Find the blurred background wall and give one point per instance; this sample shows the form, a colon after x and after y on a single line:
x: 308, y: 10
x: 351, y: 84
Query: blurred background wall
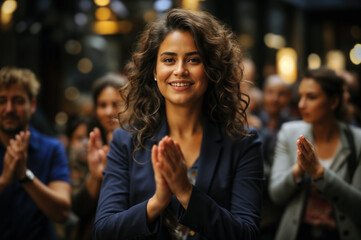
x: 70, y: 43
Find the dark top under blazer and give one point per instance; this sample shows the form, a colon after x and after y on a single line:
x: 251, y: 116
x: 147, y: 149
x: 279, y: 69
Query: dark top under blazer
x: 224, y: 204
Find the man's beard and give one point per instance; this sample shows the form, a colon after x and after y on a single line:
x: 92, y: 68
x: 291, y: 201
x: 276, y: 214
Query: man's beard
x: 13, y: 130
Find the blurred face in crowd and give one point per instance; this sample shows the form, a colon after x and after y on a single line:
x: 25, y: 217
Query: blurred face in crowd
x: 78, y: 142
x: 15, y: 109
x: 276, y: 96
x: 179, y: 71
x: 314, y: 105
x: 107, y: 108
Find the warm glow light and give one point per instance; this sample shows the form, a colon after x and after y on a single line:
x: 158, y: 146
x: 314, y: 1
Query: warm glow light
x: 314, y: 61
x: 287, y: 64
x: 102, y: 3
x: 61, y: 118
x: 85, y: 65
x: 71, y: 93
x: 356, y: 32
x: 335, y: 60
x: 5, y: 18
x: 103, y: 13
x: 274, y: 41
x: 150, y: 16
x: 246, y: 41
x: 9, y: 7
x: 73, y: 47
x: 190, y: 4
x: 112, y: 27
x: 355, y: 54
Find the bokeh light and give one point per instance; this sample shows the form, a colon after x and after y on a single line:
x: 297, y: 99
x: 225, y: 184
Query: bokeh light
x: 103, y: 13
x: 9, y: 7
x: 274, y: 41
x: 85, y: 65
x: 73, y: 47
x: 71, y: 93
x: 355, y: 54
x: 335, y: 60
x: 61, y: 118
x: 101, y: 3
x: 314, y: 61
x: 287, y: 64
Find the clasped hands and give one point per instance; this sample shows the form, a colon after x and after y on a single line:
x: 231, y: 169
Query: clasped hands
x: 170, y: 173
x: 307, y: 160
x: 16, y: 157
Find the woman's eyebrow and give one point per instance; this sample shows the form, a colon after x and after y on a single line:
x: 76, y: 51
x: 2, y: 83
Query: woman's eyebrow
x: 174, y: 54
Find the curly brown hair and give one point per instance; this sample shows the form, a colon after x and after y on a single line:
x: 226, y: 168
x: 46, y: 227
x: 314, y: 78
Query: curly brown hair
x: 223, y: 102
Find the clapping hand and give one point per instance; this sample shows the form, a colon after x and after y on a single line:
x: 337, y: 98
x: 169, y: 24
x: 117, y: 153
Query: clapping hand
x: 172, y: 167
x: 97, y: 152
x: 170, y: 174
x: 307, y: 158
x: 15, y: 158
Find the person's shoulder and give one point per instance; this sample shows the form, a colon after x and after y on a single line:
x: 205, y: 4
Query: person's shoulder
x: 356, y: 130
x: 39, y: 139
x: 121, y: 132
x: 123, y: 136
x: 250, y: 135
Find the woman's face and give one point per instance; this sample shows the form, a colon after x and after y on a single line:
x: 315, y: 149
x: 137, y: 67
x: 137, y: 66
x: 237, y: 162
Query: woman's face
x: 78, y: 142
x: 108, y: 107
x: 314, y: 105
x: 179, y: 71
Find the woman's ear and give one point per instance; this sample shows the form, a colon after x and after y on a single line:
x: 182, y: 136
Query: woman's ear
x: 155, y: 75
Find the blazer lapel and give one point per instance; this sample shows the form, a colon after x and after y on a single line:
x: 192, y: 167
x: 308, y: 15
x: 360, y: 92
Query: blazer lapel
x: 345, y: 151
x: 209, y: 156
x: 162, y: 132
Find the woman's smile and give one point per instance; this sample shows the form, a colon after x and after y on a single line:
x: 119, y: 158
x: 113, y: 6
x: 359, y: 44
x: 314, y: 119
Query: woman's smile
x: 180, y: 73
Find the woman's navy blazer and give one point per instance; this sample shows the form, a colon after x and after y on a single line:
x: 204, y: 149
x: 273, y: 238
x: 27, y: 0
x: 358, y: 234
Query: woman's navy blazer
x: 225, y: 202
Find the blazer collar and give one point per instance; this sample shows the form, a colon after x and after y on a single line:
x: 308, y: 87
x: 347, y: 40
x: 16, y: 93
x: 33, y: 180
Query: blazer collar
x: 163, y: 131
x: 341, y: 155
x: 345, y: 150
x: 209, y: 156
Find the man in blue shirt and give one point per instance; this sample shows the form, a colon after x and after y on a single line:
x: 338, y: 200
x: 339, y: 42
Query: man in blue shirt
x: 34, y: 174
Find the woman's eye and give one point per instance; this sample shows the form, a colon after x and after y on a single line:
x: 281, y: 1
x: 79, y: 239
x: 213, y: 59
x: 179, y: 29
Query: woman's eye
x: 168, y: 60
x: 194, y: 60
x: 312, y: 97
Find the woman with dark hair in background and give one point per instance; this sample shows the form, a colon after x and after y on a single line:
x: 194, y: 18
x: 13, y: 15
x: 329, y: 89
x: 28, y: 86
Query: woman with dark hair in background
x: 184, y: 165
x: 316, y: 170
x: 107, y: 104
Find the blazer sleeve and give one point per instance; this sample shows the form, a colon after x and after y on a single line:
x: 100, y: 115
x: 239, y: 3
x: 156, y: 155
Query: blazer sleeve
x: 345, y: 196
x: 115, y: 218
x: 282, y: 185
x: 241, y: 220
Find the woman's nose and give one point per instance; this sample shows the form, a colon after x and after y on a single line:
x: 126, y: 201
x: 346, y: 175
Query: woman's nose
x: 180, y: 68
x: 301, y: 103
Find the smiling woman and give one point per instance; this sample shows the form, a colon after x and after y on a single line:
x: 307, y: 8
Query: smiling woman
x: 186, y: 130
x: 180, y: 72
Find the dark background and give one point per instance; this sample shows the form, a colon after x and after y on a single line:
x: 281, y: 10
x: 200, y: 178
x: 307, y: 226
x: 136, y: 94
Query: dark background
x: 39, y: 31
